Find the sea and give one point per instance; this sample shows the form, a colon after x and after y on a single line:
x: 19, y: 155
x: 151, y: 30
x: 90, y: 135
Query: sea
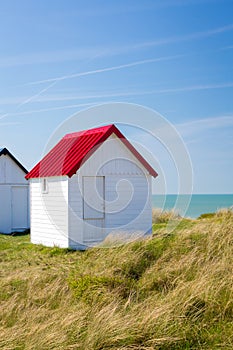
x: 193, y: 205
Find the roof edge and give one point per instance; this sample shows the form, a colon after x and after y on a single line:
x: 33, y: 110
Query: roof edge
x: 4, y: 151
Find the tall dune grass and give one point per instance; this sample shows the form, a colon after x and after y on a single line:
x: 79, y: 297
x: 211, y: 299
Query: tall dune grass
x: 165, y: 292
x: 163, y: 216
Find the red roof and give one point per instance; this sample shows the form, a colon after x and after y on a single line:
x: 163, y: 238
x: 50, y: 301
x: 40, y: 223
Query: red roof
x: 74, y: 149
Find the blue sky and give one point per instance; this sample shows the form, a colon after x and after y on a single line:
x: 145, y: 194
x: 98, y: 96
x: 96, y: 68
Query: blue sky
x: 173, y: 56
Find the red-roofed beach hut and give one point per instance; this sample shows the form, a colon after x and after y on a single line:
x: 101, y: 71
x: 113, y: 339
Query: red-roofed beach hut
x: 92, y: 184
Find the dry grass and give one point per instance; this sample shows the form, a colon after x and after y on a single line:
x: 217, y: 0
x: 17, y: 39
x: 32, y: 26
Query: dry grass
x: 167, y: 292
x: 163, y: 216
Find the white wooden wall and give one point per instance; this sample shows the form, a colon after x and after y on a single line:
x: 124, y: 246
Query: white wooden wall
x: 127, y: 195
x: 49, y: 212
x: 14, y: 197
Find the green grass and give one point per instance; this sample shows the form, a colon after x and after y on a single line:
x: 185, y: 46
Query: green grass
x: 170, y: 291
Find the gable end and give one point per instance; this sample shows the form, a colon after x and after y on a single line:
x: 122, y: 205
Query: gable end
x: 4, y: 151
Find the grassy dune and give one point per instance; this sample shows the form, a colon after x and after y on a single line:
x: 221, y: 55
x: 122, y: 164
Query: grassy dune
x: 171, y: 291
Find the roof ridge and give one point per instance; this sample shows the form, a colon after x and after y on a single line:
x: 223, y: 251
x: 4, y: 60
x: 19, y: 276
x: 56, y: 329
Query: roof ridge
x: 89, y: 131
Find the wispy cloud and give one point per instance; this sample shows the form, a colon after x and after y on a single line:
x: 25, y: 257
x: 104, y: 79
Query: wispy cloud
x: 11, y: 100
x: 52, y: 56
x: 80, y: 105
x: 132, y: 6
x: 29, y: 99
x: 107, y: 69
x: 229, y: 47
x: 33, y: 97
x: 68, y: 97
x: 9, y: 123
x: 192, y: 36
x: 89, y: 52
x: 195, y: 87
x: 54, y: 81
x: 135, y: 93
x: 37, y: 98
x: 201, y: 125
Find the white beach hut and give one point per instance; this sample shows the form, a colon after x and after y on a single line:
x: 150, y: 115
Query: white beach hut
x: 91, y: 184
x: 14, y: 190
